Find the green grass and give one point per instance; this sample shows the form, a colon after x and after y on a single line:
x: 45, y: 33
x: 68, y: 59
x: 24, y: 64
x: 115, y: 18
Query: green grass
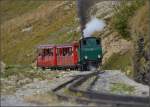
x: 13, y: 8
x: 22, y: 70
x: 122, y: 88
x: 67, y: 91
x: 29, y: 71
x: 117, y: 61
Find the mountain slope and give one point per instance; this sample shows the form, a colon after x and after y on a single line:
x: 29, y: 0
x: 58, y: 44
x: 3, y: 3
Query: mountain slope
x: 13, y: 8
x: 48, y: 23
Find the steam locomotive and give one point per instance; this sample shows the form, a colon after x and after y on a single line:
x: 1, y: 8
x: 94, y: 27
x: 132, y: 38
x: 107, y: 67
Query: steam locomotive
x: 83, y: 55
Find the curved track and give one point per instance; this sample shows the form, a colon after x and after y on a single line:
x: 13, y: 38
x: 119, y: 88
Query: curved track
x: 101, y: 99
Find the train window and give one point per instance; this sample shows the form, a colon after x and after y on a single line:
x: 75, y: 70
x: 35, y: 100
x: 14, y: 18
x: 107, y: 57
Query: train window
x: 67, y: 51
x: 97, y: 42
x: 64, y: 51
x: 70, y: 52
x: 48, y: 52
x: 84, y: 42
x: 51, y: 52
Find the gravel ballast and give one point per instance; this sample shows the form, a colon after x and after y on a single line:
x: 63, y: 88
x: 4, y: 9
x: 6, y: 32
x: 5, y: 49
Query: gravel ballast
x: 116, y: 82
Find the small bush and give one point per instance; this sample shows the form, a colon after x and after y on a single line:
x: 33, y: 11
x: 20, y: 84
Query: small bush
x: 122, y: 88
x: 122, y: 62
x: 122, y: 15
x: 22, y: 70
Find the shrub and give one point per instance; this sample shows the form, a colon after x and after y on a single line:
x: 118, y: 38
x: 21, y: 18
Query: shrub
x: 122, y: 15
x: 118, y: 61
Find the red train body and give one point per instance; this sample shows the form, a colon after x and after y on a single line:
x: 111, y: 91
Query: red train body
x: 55, y: 56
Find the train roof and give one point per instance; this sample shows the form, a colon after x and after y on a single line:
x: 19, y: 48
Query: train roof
x: 57, y: 46
x: 46, y: 46
x: 64, y: 46
x: 88, y: 38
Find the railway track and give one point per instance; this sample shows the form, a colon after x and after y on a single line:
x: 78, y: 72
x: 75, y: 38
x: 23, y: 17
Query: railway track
x: 71, y: 91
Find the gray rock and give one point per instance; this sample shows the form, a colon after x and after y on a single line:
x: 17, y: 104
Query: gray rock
x: 7, y: 82
x: 24, y: 81
x: 13, y: 78
x: 27, y: 29
x: 111, y: 77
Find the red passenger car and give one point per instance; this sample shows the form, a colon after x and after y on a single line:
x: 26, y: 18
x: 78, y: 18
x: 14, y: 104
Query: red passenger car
x: 58, y: 56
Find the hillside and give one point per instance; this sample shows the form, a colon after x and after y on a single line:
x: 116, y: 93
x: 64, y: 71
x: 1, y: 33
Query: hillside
x: 39, y: 24
x: 35, y: 25
x: 11, y: 9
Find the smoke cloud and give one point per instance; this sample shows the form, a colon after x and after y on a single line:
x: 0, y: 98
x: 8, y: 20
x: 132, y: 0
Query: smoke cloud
x: 83, y: 7
x: 92, y: 26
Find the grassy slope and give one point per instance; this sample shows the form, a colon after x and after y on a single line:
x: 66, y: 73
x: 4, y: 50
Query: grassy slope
x: 13, y: 8
x: 20, y: 47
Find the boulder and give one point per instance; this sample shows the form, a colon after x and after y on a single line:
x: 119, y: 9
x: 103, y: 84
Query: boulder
x: 13, y: 78
x: 24, y: 81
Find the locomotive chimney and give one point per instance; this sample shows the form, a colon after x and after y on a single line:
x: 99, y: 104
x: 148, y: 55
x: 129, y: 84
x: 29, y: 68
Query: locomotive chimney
x: 82, y: 8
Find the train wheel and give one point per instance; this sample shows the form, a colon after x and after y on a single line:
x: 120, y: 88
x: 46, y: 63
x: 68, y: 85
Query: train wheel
x: 85, y: 68
x: 81, y: 68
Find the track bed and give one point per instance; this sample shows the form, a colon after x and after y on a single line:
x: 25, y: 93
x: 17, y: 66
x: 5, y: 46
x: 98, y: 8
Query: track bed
x: 80, y: 89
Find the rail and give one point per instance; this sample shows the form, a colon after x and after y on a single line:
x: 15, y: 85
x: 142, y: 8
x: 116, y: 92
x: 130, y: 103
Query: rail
x: 89, y: 96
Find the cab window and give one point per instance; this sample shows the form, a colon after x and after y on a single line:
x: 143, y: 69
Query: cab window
x: 84, y: 42
x: 97, y: 42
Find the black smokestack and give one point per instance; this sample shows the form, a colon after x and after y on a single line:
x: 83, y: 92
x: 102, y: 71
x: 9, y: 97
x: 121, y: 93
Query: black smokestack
x: 83, y: 10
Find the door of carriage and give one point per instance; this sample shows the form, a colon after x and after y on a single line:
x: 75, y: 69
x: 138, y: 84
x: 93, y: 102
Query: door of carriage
x: 64, y: 55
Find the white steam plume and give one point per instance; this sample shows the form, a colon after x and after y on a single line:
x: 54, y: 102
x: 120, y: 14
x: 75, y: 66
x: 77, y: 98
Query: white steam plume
x: 93, y: 26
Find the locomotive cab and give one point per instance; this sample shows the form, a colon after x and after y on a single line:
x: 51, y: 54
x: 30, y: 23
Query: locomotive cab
x: 90, y: 52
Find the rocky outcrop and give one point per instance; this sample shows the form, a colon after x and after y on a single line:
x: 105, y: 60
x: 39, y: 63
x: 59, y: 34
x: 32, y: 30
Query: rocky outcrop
x: 104, y: 9
x: 114, y: 44
x: 139, y: 29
